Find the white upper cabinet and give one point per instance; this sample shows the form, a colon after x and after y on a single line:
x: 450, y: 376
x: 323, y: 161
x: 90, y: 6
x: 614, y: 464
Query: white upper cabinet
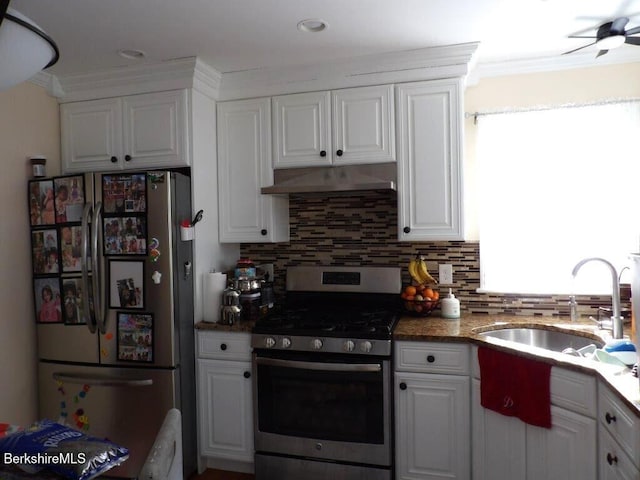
x: 429, y: 135
x: 342, y: 127
x: 244, y: 166
x: 135, y: 132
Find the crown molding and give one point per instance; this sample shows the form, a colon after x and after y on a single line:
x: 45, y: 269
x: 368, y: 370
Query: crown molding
x: 548, y: 64
x: 144, y: 78
x: 409, y: 65
x: 49, y: 82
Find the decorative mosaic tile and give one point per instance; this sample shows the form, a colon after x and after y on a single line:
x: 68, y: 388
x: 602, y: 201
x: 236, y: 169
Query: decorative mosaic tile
x: 338, y: 229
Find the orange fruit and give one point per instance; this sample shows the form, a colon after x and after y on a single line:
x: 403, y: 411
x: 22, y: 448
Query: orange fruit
x: 436, y: 295
x: 410, y: 290
x: 428, y: 292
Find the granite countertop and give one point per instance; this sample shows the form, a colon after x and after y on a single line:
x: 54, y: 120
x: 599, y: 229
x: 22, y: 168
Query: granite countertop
x: 468, y: 327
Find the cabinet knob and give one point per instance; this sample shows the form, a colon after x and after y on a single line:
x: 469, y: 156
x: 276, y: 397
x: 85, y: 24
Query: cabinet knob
x: 223, y: 346
x: 127, y: 158
x: 610, y: 418
x: 403, y: 386
x: 323, y: 153
x: 114, y: 159
x: 406, y: 229
x: 431, y: 359
x: 247, y: 374
x: 263, y: 231
x: 611, y: 459
x: 339, y: 153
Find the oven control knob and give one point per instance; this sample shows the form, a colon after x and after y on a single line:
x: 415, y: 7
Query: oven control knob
x: 349, y: 346
x: 286, y: 342
x: 366, y: 346
x: 316, y: 344
x: 269, y: 342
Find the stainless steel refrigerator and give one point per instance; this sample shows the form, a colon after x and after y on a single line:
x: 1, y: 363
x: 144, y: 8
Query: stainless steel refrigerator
x: 116, y: 346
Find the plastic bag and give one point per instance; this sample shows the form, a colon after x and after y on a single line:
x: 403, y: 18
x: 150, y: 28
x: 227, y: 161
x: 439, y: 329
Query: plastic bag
x: 61, y: 449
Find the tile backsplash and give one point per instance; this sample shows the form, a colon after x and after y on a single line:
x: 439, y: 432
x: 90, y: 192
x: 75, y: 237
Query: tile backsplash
x: 338, y: 229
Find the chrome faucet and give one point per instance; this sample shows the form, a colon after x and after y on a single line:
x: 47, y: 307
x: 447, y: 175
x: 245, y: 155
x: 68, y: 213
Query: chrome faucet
x: 616, y: 318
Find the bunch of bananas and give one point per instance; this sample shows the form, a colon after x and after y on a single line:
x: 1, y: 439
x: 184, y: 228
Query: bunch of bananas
x: 418, y: 271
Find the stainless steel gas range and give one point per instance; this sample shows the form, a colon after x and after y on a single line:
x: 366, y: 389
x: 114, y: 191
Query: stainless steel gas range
x: 322, y: 376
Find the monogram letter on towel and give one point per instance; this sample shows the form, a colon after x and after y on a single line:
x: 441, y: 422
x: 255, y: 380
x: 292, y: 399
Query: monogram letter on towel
x: 515, y: 386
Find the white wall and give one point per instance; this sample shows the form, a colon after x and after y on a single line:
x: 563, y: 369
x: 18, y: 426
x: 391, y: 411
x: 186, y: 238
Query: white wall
x: 540, y: 89
x: 28, y: 125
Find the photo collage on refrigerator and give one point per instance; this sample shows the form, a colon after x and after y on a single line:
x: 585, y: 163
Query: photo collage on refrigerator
x: 124, y: 229
x: 55, y: 211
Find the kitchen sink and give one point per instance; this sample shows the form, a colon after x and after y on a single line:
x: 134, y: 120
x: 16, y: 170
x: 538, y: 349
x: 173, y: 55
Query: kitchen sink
x: 553, y: 340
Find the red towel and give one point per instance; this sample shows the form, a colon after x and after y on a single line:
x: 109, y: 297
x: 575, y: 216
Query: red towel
x: 515, y: 386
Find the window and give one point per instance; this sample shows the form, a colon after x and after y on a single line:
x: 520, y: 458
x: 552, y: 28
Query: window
x: 556, y: 186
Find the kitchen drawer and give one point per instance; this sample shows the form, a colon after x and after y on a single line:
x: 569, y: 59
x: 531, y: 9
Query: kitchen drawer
x: 618, y: 420
x: 571, y: 390
x: 432, y: 357
x: 224, y: 345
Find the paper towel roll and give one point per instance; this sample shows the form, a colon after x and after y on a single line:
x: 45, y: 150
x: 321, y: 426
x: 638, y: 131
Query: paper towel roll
x: 214, y: 285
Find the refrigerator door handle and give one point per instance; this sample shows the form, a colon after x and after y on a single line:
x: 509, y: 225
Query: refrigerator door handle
x: 98, y: 281
x: 101, y: 380
x: 84, y: 267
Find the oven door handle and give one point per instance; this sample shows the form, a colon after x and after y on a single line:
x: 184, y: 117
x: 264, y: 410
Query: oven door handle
x: 329, y: 367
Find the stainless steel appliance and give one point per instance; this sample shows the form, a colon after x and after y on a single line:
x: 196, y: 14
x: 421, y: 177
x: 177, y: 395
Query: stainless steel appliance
x: 322, y: 376
x: 116, y: 369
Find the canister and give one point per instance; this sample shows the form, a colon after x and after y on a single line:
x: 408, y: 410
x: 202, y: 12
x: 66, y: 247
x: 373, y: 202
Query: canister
x: 245, y: 268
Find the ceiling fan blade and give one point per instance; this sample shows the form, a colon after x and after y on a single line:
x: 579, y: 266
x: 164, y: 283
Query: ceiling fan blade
x: 581, y: 36
x: 579, y: 48
x: 632, y: 40
x: 632, y: 31
x: 601, y: 52
x: 4, y: 5
x: 617, y: 26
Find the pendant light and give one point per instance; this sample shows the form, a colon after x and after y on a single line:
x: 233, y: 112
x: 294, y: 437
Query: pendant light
x: 25, y: 48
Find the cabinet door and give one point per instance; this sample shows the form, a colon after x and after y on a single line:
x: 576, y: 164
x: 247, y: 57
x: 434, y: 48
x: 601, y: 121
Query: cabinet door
x: 429, y: 139
x: 614, y: 462
x: 363, y: 125
x: 567, y: 450
x: 155, y: 130
x: 91, y: 135
x: 432, y: 426
x: 499, y: 442
x: 302, y: 130
x: 225, y: 410
x: 244, y: 166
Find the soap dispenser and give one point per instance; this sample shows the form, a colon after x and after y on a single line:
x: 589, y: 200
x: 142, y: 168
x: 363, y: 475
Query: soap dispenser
x: 450, y: 306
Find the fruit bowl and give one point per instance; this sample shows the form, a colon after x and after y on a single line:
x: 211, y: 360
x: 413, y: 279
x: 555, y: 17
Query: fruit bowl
x: 420, y: 308
x: 419, y: 300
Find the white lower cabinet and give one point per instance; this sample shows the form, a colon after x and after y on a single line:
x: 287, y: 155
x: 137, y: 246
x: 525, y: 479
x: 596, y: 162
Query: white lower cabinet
x: 225, y: 405
x: 432, y: 411
x: 499, y: 448
x: 505, y: 448
x: 618, y: 438
x: 615, y: 464
x: 567, y: 450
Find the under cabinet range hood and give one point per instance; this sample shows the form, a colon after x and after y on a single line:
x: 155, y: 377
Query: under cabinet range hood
x: 344, y: 178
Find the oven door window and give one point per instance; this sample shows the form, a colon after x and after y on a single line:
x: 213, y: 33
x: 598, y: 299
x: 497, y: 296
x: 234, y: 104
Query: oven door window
x: 342, y: 403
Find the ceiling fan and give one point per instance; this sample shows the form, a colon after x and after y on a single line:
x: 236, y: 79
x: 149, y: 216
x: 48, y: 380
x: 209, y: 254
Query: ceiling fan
x: 610, y: 35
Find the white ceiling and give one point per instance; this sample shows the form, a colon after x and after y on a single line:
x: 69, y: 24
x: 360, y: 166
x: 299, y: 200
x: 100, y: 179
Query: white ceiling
x: 233, y: 35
